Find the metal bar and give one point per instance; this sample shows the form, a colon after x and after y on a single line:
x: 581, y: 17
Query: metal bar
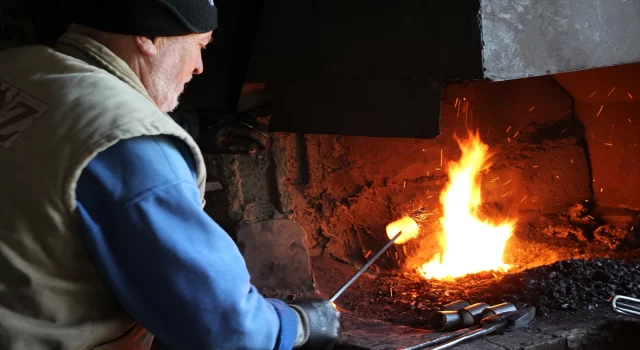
x: 443, y: 338
x: 628, y: 307
x: 471, y: 335
x: 619, y: 306
x: 365, y: 267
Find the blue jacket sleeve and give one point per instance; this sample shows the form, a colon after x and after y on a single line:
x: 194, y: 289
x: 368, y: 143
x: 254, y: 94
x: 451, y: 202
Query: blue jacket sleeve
x: 169, y: 264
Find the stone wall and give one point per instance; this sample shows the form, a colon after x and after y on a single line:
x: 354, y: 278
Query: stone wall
x: 607, y: 102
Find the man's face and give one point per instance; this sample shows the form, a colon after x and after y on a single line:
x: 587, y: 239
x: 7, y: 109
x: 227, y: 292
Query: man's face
x: 172, y: 67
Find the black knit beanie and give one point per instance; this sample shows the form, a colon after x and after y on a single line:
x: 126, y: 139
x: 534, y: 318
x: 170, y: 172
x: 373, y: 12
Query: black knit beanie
x: 146, y: 17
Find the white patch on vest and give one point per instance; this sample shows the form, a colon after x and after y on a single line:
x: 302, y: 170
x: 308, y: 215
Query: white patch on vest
x: 211, y: 2
x: 17, y: 112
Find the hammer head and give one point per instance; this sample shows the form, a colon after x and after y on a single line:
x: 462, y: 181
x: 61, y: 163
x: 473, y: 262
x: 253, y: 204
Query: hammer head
x: 512, y: 319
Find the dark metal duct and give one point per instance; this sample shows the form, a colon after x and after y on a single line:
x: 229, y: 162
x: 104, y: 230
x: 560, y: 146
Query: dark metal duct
x: 374, y: 68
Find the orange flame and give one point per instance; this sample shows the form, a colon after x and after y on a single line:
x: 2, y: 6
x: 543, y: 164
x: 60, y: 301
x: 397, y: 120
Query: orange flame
x: 470, y: 244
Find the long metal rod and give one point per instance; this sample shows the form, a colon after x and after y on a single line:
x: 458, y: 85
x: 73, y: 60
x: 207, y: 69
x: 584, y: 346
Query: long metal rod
x: 470, y: 336
x: 365, y: 267
x: 443, y: 338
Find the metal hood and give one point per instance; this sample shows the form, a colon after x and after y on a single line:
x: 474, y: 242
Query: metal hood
x: 375, y: 68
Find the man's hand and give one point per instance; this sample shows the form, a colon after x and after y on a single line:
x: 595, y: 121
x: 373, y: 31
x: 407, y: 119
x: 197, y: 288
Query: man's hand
x: 318, y: 324
x: 233, y: 133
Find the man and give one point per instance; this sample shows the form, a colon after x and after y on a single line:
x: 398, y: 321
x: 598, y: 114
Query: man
x: 103, y: 240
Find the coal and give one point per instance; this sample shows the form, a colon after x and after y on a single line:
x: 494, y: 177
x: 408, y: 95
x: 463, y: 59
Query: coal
x: 564, y: 286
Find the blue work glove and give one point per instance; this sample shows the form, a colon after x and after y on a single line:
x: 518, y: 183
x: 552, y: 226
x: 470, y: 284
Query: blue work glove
x: 318, y: 324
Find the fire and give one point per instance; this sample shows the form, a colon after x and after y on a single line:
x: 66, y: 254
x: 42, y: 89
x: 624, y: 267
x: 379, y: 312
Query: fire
x: 470, y: 244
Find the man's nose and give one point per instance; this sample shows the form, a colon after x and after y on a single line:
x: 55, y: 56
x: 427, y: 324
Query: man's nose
x: 199, y: 67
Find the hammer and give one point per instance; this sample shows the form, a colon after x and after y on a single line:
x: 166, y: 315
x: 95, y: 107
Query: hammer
x: 506, y: 322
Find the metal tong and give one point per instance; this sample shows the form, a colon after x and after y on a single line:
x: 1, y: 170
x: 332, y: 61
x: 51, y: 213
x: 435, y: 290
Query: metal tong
x: 627, y: 306
x: 507, y: 321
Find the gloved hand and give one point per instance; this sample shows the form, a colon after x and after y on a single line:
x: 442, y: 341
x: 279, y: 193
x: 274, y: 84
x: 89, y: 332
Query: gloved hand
x: 235, y: 133
x: 318, y: 324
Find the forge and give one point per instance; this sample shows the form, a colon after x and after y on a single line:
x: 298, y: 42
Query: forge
x: 556, y: 171
x: 526, y: 113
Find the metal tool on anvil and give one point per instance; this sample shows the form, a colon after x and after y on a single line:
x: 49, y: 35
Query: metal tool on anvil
x: 406, y: 228
x: 507, y: 321
x: 627, y: 306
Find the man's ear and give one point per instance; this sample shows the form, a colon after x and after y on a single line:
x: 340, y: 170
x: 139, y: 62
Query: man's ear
x: 148, y: 46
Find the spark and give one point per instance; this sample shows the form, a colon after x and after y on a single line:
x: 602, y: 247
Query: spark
x: 563, y: 114
x: 600, y: 111
x: 593, y: 137
x: 535, y: 166
x: 590, y: 96
x: 601, y: 189
x: 523, y: 198
x: 608, y: 144
x: 516, y: 134
x: 396, y: 255
x: 630, y: 96
x: 405, y: 183
x: 506, y: 183
x: 532, y: 108
x: 440, y: 157
x: 509, y: 128
x: 495, y: 179
x: 571, y: 160
x: 508, y: 139
x: 390, y: 291
x: 557, y: 176
x: 612, y: 90
x: 430, y: 196
x: 367, y: 255
x: 565, y: 129
x: 457, y: 100
x: 629, y: 120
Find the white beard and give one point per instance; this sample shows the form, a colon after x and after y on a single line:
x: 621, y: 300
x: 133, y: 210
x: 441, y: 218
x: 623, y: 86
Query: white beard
x: 164, y: 87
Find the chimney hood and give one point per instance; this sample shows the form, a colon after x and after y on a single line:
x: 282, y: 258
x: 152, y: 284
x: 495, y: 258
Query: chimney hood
x: 375, y: 68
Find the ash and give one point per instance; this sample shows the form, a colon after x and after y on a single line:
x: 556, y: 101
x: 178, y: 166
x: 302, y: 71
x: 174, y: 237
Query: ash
x: 575, y: 285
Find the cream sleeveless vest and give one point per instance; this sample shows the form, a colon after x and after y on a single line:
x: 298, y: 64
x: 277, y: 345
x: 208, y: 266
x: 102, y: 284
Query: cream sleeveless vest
x: 58, y: 109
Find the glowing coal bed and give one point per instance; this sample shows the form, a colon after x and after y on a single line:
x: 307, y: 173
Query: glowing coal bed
x: 571, y: 295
